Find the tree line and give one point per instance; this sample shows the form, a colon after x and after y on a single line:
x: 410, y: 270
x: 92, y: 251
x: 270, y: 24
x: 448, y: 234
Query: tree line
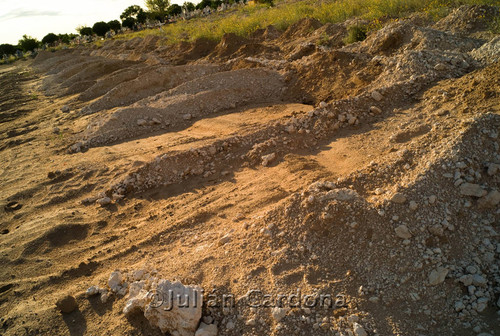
x: 131, y: 17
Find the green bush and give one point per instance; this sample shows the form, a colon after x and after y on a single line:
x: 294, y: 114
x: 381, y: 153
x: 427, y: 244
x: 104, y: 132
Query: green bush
x: 50, y: 38
x: 115, y: 25
x: 85, y: 31
x: 100, y: 28
x: 355, y: 34
x: 28, y: 43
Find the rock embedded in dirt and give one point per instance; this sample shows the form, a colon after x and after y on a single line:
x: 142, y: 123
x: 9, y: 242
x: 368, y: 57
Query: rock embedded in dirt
x: 104, y: 201
x: 377, y: 96
x: 66, y: 304
x: 267, y: 159
x: 491, y: 200
x: 402, y: 232
x: 398, y: 198
x: 470, y: 189
x: 141, y: 122
x: 206, y: 330
x: 375, y: 110
x: 358, y: 329
x: 65, y: 109
x: 438, y: 276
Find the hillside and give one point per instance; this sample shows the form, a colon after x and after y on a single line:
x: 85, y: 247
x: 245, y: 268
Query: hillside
x: 279, y: 162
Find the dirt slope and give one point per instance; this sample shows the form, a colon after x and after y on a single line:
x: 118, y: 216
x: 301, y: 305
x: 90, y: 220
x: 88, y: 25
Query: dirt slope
x: 279, y: 162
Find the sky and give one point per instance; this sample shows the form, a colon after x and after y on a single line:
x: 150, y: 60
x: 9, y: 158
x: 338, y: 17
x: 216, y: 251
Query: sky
x: 38, y: 18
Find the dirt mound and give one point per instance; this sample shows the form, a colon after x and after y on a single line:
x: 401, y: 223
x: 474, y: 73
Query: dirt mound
x: 269, y: 33
x: 303, y: 28
x: 191, y: 100
x: 468, y: 19
x: 228, y: 45
x: 146, y: 84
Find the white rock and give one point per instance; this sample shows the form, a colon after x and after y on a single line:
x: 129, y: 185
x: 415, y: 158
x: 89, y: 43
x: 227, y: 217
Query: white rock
x: 266, y: 159
x: 470, y: 189
x: 340, y: 194
x: 91, y: 291
x: 323, y: 104
x: 359, y: 330
x: 206, y: 330
x: 115, y: 280
x: 438, y: 276
x: 138, y: 274
x: 278, y: 313
x: 104, y: 201
x: 398, y: 198
x: 402, y: 232
x: 170, y: 316
x: 377, y: 95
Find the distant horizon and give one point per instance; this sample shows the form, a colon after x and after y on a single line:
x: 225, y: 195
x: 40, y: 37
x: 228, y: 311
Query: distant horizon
x: 37, y: 19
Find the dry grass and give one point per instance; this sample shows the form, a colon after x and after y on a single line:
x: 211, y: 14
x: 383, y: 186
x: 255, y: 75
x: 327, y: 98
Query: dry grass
x: 244, y: 21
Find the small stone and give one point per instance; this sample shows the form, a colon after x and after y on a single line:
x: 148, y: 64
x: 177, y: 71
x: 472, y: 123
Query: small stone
x: 398, y: 198
x: 66, y: 304
x: 359, y: 330
x: 206, y: 330
x: 377, y: 95
x: 413, y: 205
x: 493, y: 169
x: 432, y: 199
x: 141, y: 122
x: 438, y: 276
x: 65, y: 109
x: 115, y: 280
x: 403, y: 232
x: 489, y: 201
x: 56, y: 130
x: 251, y: 322
x: 278, y: 313
x: 440, y: 67
x: 375, y: 110
x: 155, y: 121
x: 323, y: 104
x: 224, y: 240
x: 479, y: 280
x: 230, y: 325
x: 187, y: 116
x: 91, y: 291
x: 470, y: 189
x: 266, y: 159
x: 104, y: 201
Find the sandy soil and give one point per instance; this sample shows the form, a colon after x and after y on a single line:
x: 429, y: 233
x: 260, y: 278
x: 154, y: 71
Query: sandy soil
x: 276, y: 163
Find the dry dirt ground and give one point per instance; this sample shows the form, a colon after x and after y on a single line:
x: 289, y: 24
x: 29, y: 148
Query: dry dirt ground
x: 282, y: 162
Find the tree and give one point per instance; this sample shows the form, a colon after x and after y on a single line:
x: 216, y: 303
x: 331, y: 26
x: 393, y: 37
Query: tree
x: 85, y: 31
x: 128, y: 22
x: 158, y: 7
x: 66, y: 38
x: 188, y: 7
x: 50, y: 38
x: 115, y: 25
x: 7, y: 49
x: 100, y: 28
x: 175, y: 9
x: 203, y: 4
x: 135, y: 12
x: 28, y: 43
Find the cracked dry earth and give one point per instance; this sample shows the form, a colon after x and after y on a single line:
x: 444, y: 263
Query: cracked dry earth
x: 274, y: 163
